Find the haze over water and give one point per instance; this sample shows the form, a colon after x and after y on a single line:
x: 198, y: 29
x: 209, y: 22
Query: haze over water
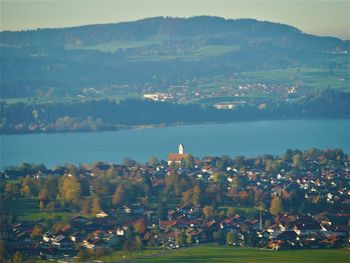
x: 233, y: 139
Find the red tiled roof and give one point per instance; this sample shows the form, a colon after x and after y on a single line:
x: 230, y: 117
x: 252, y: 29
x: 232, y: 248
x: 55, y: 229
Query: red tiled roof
x: 176, y: 157
x: 167, y: 223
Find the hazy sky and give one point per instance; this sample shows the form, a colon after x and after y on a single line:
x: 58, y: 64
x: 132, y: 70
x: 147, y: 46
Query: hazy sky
x: 320, y: 17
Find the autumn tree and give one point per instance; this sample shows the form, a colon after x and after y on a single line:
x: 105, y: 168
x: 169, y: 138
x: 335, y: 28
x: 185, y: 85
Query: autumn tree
x: 37, y: 231
x: 297, y: 160
x: 12, y: 191
x: 180, y: 238
x: 70, y: 189
x: 51, y: 184
x: 187, y: 196
x: 140, y: 226
x: 197, y: 196
x: 117, y: 198
x: 208, y: 211
x: 85, y: 206
x: 230, y: 211
x: 276, y: 206
x: 219, y: 178
x: 41, y: 205
x: 29, y: 186
x: 229, y: 238
x: 82, y: 256
x: 3, y: 251
x: 44, y: 196
x: 189, y: 240
x: 18, y: 257
x: 96, y: 205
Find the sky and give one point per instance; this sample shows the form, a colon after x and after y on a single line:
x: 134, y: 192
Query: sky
x: 319, y: 17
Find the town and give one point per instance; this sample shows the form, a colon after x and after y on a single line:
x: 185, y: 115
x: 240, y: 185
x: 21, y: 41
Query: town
x: 295, y: 201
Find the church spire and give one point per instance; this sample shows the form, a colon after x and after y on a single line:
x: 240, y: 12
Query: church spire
x: 181, y: 149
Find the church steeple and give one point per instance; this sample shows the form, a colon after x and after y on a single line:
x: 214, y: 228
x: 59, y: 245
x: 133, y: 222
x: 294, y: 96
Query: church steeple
x: 181, y: 149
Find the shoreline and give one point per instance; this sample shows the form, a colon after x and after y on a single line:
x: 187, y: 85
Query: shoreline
x: 163, y: 125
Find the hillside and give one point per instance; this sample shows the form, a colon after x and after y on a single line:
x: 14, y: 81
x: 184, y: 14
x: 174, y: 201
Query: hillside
x: 155, y: 53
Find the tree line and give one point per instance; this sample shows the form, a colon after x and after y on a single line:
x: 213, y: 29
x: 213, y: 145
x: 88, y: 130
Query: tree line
x: 107, y: 114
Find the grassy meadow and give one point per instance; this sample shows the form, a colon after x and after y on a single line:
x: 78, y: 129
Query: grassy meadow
x: 218, y: 254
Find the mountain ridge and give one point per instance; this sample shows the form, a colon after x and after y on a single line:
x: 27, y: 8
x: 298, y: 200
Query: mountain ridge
x: 153, y: 54
x: 170, y: 26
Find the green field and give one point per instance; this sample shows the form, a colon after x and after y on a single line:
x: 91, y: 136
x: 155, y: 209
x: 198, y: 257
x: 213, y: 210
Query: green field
x: 48, y: 100
x: 302, y: 76
x: 245, y: 255
x: 28, y: 210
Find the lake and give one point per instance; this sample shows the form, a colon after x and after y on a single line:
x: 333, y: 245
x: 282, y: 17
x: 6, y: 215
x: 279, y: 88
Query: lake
x: 238, y: 138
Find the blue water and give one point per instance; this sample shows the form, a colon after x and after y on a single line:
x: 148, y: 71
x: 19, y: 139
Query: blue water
x: 239, y: 138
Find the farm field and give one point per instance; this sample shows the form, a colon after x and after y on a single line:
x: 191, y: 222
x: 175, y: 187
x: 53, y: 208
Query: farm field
x: 245, y: 255
x: 28, y: 210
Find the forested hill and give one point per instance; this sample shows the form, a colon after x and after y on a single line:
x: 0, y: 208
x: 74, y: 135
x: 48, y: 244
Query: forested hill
x: 214, y: 30
x: 155, y: 52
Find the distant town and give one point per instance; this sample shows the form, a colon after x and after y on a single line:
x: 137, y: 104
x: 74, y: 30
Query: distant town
x: 93, y: 211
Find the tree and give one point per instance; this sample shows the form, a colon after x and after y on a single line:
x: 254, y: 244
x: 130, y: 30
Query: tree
x: 3, y: 251
x: 190, y: 162
x: 25, y: 168
x: 140, y: 226
x: 232, y: 238
x: 29, y: 187
x: 41, y: 205
x: 44, y: 195
x: 117, y: 198
x: 99, y: 252
x: 220, y: 236
x: 229, y: 238
x: 187, y: 196
x: 129, y: 162
x: 208, y: 211
x: 18, y: 257
x: 138, y: 244
x: 82, y: 256
x: 252, y: 239
x: 297, y: 159
x: 197, y: 195
x: 189, y: 240
x: 85, y: 206
x: 96, y: 205
x: 231, y: 211
x: 57, y: 227
x: 51, y: 185
x: 219, y: 178
x: 180, y: 238
x: 37, y: 231
x: 12, y: 191
x: 220, y: 164
x: 153, y: 161
x: 276, y: 206
x: 268, y: 165
x: 128, y: 247
x: 70, y: 189
x: 162, y: 211
x: 147, y: 185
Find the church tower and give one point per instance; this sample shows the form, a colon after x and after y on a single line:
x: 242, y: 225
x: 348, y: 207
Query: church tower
x: 181, y: 149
